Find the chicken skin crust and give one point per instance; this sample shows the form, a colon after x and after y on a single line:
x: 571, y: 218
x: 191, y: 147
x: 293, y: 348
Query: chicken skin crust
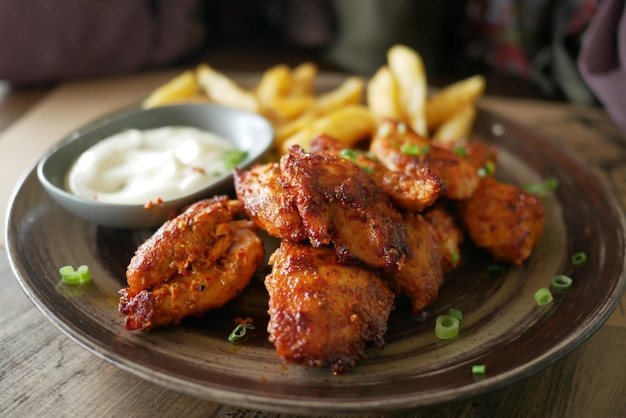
x: 422, y: 275
x: 339, y: 203
x: 410, y: 192
x: 448, y: 233
x: 322, y: 312
x: 200, y: 235
x: 265, y: 202
x: 207, y: 281
x: 503, y: 219
x: 399, y: 148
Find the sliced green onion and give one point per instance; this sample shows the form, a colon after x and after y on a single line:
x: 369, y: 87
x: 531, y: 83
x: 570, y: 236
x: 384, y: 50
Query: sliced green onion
x: 456, y: 313
x: 234, y: 157
x: 410, y: 150
x: 78, y: 276
x: 460, y: 151
x: 368, y: 169
x: 579, y: 258
x: 543, y: 296
x: 446, y: 327
x: 348, y: 153
x: 536, y: 189
x: 239, y: 332
x: 479, y: 369
x: 551, y: 183
x: 561, y: 282
x: 455, y: 258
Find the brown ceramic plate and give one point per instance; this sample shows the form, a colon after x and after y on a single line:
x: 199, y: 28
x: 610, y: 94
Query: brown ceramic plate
x: 503, y: 328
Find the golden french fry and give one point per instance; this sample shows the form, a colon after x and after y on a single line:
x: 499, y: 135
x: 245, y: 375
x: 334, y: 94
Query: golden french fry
x: 222, y: 90
x: 303, y: 79
x: 458, y: 126
x: 290, y: 107
x: 349, y: 92
x: 181, y: 88
x: 447, y: 101
x: 349, y: 124
x: 276, y: 82
x: 382, y: 95
x: 408, y: 69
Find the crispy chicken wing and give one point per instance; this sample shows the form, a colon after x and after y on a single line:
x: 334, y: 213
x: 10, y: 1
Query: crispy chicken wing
x: 410, y: 192
x: 266, y: 203
x: 479, y: 154
x: 340, y: 204
x: 190, y: 267
x: 448, y: 233
x: 322, y: 312
x: 399, y: 148
x: 503, y: 219
x: 422, y: 274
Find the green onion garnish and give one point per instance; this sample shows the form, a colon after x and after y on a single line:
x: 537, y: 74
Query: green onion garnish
x: 446, y: 327
x: 479, y: 369
x: 579, y: 258
x: 233, y: 157
x: 455, y: 258
x: 456, y: 313
x: 69, y: 276
x: 543, y: 296
x: 551, y: 183
x: 460, y: 151
x: 239, y: 332
x: 561, y: 282
x: 542, y: 189
x: 348, y: 154
x: 414, y: 150
x: 368, y: 169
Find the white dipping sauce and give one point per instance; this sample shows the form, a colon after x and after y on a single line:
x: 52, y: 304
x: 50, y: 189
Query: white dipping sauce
x: 139, y: 167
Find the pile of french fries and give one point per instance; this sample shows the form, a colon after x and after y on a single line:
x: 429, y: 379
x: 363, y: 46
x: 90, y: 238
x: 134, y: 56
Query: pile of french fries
x: 350, y: 113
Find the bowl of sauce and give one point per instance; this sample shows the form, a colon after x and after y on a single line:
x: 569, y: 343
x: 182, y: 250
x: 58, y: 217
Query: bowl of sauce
x: 135, y: 168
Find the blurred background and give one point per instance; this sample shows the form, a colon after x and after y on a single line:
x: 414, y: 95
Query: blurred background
x: 526, y: 48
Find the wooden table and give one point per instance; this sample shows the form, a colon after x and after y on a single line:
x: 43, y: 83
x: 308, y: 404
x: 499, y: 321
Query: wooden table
x: 44, y: 373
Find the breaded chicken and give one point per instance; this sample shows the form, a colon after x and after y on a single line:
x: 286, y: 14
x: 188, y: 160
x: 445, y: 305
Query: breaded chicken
x: 480, y: 154
x: 340, y: 204
x: 188, y: 274
x: 201, y: 234
x: 322, y: 312
x: 266, y: 203
x: 448, y: 233
x: 422, y: 275
x: 503, y: 219
x: 399, y: 148
x: 411, y: 192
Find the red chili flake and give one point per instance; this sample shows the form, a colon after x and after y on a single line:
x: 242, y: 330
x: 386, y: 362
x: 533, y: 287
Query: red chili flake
x: 148, y: 205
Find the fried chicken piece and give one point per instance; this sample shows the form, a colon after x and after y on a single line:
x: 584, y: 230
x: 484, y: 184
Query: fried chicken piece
x: 322, y: 312
x: 503, y: 219
x: 448, y: 233
x: 410, y: 192
x: 422, y: 275
x: 481, y: 155
x: 200, y: 235
x: 203, y: 278
x: 399, y: 148
x: 339, y: 203
x: 265, y: 202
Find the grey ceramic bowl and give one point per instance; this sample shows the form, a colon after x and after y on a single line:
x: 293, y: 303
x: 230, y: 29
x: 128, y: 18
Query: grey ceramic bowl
x: 248, y: 131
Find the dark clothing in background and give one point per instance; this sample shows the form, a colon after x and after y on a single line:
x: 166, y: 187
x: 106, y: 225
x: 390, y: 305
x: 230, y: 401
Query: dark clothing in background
x: 50, y: 40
